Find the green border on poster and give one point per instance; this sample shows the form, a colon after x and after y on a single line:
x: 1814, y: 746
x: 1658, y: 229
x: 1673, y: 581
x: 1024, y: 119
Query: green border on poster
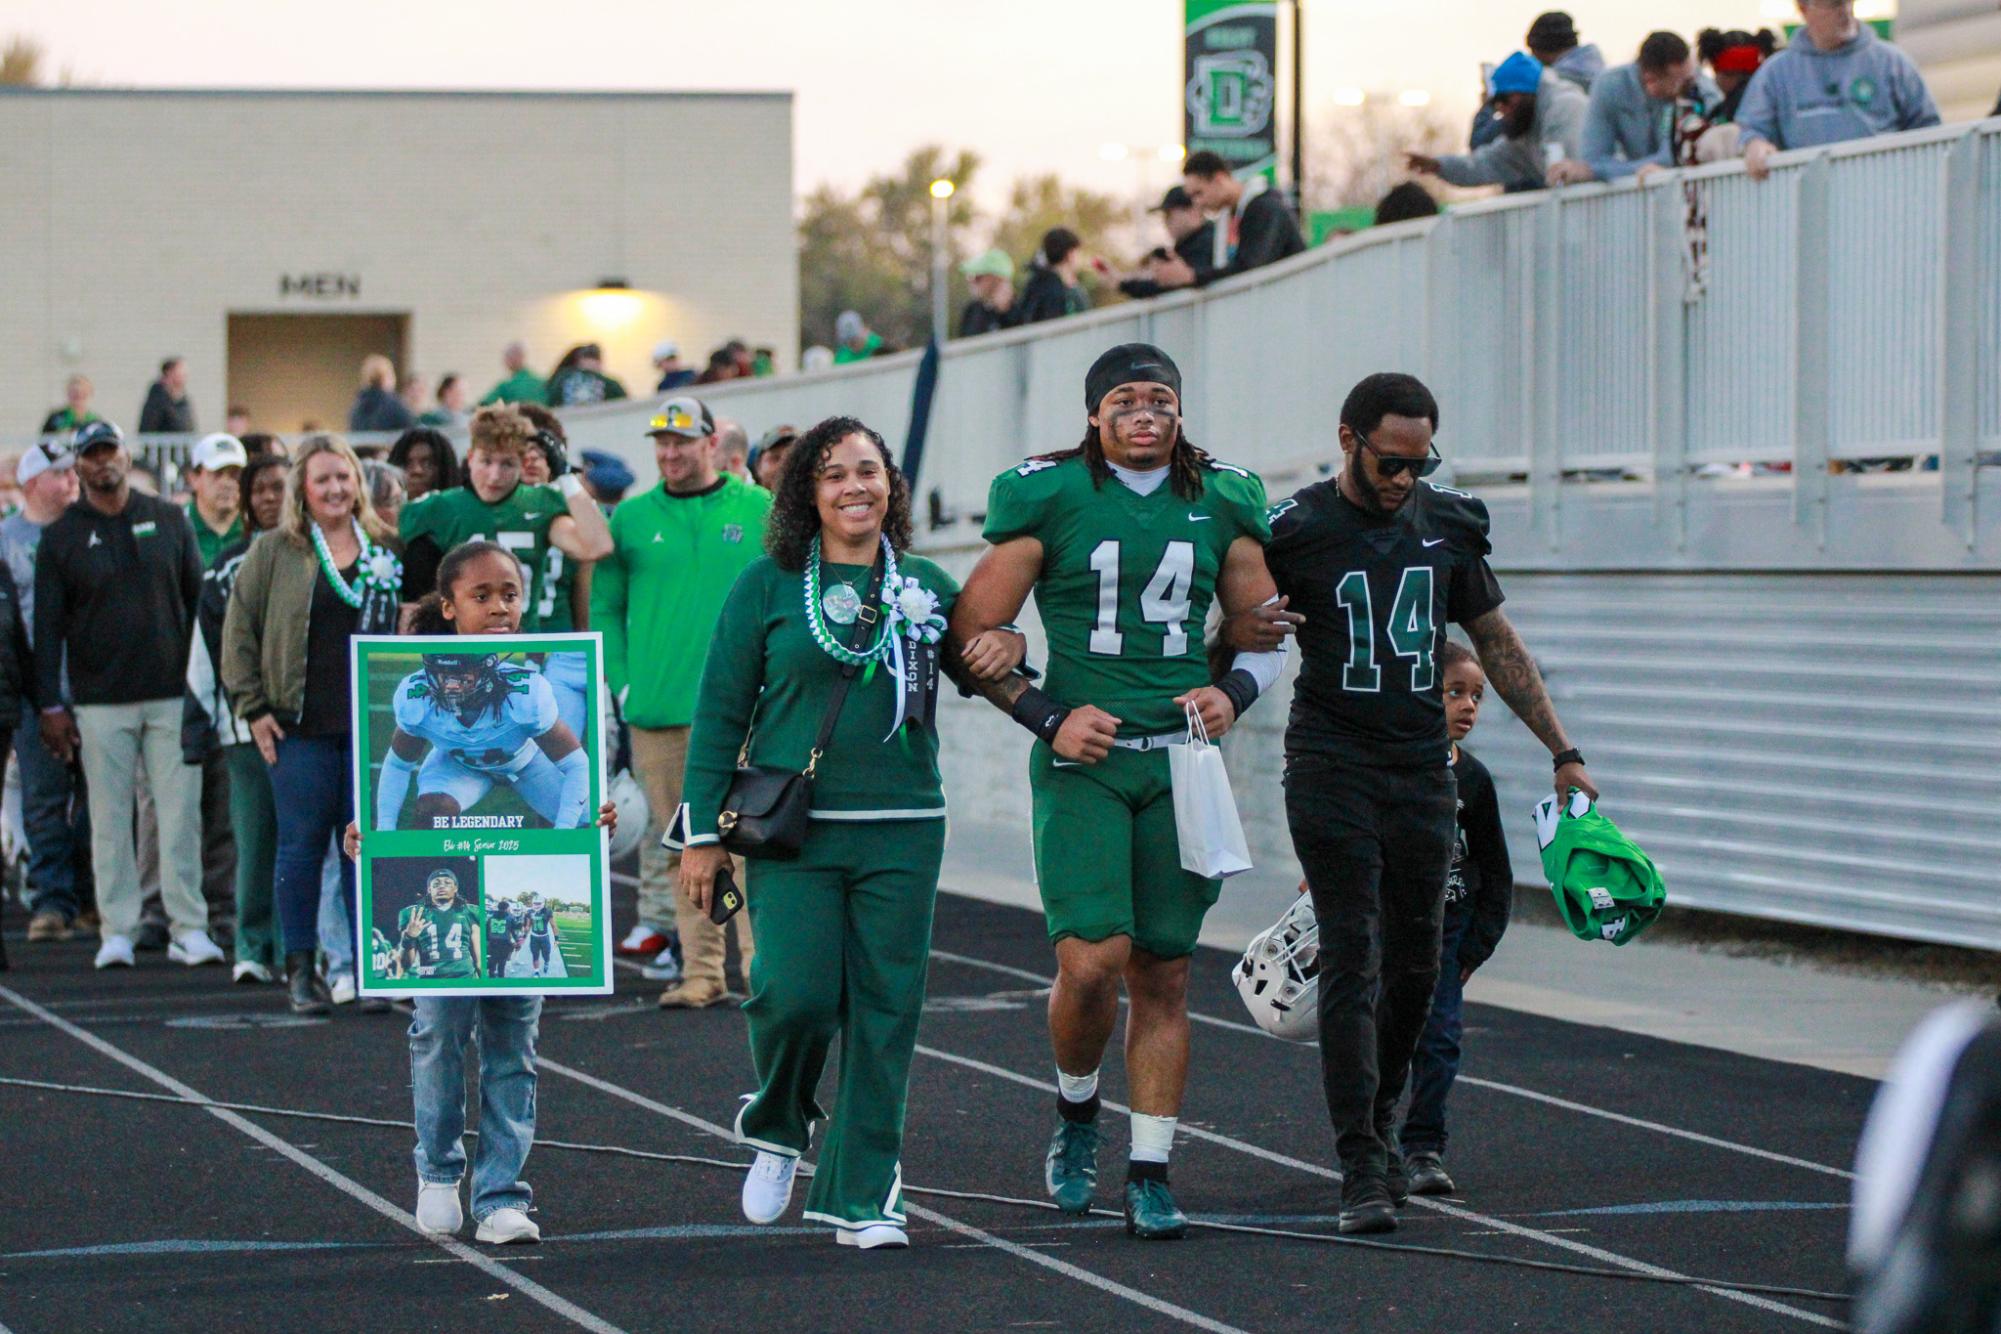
x: 590, y: 842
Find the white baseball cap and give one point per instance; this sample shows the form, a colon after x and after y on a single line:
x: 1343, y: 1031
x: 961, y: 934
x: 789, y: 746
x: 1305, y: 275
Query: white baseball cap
x: 666, y: 348
x: 43, y: 456
x: 220, y: 450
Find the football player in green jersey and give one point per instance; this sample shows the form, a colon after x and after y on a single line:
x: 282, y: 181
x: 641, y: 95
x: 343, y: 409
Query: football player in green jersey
x: 496, y: 506
x: 440, y: 932
x: 1378, y: 560
x: 1125, y: 541
x: 564, y: 585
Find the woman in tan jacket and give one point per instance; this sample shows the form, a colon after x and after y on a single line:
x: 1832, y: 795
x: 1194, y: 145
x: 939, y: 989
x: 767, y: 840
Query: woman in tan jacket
x: 326, y: 573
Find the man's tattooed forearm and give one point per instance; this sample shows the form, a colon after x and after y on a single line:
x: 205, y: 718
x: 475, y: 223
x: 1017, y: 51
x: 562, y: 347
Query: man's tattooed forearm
x: 1515, y: 677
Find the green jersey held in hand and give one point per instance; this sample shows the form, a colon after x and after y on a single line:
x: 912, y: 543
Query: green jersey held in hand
x: 1605, y: 887
x: 444, y: 944
x: 1126, y: 578
x: 520, y: 522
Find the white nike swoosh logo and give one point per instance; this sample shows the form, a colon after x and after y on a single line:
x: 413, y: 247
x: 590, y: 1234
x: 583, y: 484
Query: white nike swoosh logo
x: 1434, y: 542
x: 531, y: 515
x: 1200, y: 518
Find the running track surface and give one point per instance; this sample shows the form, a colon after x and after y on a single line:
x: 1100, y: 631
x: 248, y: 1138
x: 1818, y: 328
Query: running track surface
x: 126, y: 1215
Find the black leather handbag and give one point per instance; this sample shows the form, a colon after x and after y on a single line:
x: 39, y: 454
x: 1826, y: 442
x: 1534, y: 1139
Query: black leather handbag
x: 766, y: 811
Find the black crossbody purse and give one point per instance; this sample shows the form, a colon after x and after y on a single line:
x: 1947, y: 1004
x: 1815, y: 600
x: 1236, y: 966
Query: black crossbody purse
x: 766, y: 810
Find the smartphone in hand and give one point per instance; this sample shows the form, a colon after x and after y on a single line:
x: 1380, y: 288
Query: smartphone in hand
x: 726, y: 899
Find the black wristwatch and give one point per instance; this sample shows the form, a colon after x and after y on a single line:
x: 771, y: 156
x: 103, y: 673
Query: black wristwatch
x: 1571, y: 756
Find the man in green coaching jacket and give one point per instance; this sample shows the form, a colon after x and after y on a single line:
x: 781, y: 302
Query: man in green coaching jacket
x: 676, y: 551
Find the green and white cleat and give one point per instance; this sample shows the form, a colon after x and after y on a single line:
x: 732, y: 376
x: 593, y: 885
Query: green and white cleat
x: 1151, y: 1213
x: 1070, y: 1170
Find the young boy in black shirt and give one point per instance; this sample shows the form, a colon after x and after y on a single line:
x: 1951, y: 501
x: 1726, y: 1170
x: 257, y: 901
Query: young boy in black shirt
x: 1478, y: 893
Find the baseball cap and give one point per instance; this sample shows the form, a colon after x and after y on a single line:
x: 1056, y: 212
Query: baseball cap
x: 777, y: 437
x: 1519, y: 73
x: 1176, y: 197
x: 666, y: 348
x: 995, y: 263
x: 848, y: 325
x: 42, y: 457
x: 1552, y: 29
x: 90, y: 436
x: 220, y: 450
x: 682, y: 416
x: 606, y: 473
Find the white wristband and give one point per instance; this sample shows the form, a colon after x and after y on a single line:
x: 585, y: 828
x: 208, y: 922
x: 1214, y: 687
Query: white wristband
x: 569, y: 484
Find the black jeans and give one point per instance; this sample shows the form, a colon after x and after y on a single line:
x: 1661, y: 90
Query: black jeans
x: 1375, y: 844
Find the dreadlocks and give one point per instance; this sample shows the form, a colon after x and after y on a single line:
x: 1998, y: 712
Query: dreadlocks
x: 1187, y: 463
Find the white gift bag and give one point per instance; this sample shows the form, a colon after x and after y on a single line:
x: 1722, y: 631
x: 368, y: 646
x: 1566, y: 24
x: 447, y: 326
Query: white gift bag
x: 1205, y: 810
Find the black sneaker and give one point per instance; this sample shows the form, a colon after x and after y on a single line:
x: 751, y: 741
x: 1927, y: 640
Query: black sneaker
x: 1428, y: 1175
x: 1366, y: 1206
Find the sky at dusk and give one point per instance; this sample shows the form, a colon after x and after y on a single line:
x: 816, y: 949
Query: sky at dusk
x: 1033, y: 85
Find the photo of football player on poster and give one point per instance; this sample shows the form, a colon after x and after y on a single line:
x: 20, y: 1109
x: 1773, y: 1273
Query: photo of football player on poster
x: 467, y: 723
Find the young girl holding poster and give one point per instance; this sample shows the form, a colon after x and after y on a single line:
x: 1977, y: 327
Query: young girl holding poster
x: 480, y: 589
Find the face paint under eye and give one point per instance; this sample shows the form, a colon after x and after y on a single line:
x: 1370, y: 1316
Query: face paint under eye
x: 1159, y: 411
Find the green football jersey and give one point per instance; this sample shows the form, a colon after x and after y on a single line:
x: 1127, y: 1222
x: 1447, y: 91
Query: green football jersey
x: 520, y: 522
x: 1126, y: 579
x: 556, y: 587
x: 445, y: 945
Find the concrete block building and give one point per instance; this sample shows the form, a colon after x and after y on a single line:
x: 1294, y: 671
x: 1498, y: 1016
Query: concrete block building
x: 274, y: 238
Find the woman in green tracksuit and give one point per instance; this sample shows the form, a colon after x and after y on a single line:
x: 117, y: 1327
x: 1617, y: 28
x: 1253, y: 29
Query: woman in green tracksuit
x: 844, y: 931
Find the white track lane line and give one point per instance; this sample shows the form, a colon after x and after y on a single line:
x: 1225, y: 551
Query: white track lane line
x: 1515, y: 1090
x: 528, y: 1287
x: 1105, y: 1285
x: 1451, y: 1210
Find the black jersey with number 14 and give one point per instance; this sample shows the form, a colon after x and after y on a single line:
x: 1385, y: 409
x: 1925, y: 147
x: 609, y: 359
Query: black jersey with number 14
x: 1377, y: 591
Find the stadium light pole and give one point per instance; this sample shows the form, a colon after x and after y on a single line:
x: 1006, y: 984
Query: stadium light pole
x: 941, y: 195
x: 1299, y: 109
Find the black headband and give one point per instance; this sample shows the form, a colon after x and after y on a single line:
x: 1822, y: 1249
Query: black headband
x: 1129, y: 363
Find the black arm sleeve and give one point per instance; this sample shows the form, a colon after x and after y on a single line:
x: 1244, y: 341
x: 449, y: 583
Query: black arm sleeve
x: 420, y: 568
x: 1488, y: 847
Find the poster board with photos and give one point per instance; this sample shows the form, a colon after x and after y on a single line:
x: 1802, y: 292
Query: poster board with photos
x: 487, y: 873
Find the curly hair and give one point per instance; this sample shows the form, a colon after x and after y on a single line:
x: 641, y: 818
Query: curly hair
x: 500, y: 429
x: 795, y: 509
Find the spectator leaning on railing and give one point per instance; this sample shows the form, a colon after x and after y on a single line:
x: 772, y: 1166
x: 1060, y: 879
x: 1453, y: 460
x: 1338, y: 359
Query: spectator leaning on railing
x: 1837, y: 81
x: 1630, y: 123
x: 1254, y: 226
x: 1552, y: 39
x: 1543, y: 123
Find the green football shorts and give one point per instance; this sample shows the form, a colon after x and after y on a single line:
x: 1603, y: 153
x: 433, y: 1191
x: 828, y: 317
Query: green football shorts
x: 1107, y: 860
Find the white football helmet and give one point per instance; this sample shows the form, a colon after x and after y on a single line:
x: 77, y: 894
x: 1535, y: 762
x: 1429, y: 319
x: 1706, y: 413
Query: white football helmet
x: 1279, y: 975
x: 634, y: 814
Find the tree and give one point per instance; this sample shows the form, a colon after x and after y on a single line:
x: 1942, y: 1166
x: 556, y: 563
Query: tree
x: 21, y: 62
x: 1356, y: 154
x: 871, y: 251
x: 1039, y: 203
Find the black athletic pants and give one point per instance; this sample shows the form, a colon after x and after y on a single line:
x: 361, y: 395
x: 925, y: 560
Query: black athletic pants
x: 1376, y: 845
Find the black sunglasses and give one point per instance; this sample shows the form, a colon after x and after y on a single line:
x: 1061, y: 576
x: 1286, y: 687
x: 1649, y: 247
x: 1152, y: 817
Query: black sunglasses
x: 1395, y: 465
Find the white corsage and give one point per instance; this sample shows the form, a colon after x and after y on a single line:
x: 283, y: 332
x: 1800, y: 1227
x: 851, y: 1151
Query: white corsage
x: 382, y: 570
x: 917, y: 608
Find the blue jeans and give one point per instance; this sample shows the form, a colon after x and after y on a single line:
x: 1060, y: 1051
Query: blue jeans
x: 334, y: 923
x: 310, y: 783
x: 438, y: 1036
x: 1436, y: 1063
x: 56, y: 818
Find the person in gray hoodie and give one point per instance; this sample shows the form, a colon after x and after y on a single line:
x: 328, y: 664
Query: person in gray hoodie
x: 1630, y: 123
x: 1543, y: 120
x: 1552, y: 39
x: 1837, y: 81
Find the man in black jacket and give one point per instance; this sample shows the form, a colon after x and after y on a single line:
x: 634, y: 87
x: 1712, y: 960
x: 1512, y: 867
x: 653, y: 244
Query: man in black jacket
x: 116, y: 582
x: 167, y: 410
x: 1256, y: 228
x: 1194, y: 238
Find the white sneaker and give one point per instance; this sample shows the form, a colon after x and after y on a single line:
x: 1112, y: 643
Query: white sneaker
x: 249, y: 970
x: 767, y: 1187
x: 194, y: 948
x: 873, y: 1237
x: 504, y: 1227
x: 342, y: 989
x: 438, y: 1211
x: 115, y: 952
x: 664, y: 968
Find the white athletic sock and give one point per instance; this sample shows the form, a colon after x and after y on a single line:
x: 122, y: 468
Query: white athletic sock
x: 1077, y: 1088
x: 1153, y: 1137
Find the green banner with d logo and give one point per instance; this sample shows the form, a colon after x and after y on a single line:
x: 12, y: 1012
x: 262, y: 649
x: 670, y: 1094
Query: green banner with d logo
x: 1231, y: 96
